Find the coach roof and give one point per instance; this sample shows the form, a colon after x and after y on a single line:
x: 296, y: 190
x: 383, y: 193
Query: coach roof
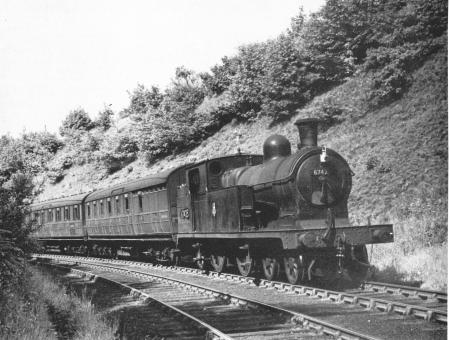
x: 59, y: 202
x: 139, y: 184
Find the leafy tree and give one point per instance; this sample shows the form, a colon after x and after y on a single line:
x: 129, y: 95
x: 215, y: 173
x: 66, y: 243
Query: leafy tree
x: 14, y: 242
x: 142, y: 100
x: 287, y: 83
x: 342, y: 30
x: 174, y: 125
x: 77, y: 120
x: 30, y: 153
x: 221, y: 77
x: 277, y: 77
x: 16, y: 190
x: 246, y: 88
x: 104, y: 120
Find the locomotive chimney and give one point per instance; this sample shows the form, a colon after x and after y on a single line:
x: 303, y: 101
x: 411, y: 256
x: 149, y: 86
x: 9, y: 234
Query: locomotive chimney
x: 307, y: 129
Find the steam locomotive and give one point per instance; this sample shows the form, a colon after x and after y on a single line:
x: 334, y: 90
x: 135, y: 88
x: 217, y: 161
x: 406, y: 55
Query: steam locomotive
x: 279, y: 210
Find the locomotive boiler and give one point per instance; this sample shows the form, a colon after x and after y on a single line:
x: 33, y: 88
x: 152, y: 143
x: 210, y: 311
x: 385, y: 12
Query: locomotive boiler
x: 271, y: 213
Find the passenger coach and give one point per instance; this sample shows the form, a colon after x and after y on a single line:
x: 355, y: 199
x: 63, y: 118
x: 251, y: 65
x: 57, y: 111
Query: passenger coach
x: 134, y: 217
x: 60, y: 222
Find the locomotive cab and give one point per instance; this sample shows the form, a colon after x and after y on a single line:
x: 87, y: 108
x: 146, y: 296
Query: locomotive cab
x: 205, y: 205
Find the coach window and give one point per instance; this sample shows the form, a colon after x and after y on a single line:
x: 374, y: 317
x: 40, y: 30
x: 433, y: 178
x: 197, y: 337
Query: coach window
x: 76, y: 215
x: 66, y: 213
x: 88, y: 206
x: 50, y: 215
x: 140, y: 201
x: 127, y: 203
x: 102, y: 208
x: 58, y: 214
x: 109, y: 206
x: 42, y: 217
x: 117, y: 205
x: 94, y: 209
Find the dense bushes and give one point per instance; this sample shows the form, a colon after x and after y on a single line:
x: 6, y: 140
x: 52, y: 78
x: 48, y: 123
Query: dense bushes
x: 171, y: 124
x: 16, y: 190
x: 30, y: 153
x: 104, y: 119
x: 142, y: 100
x: 117, y: 151
x: 77, y: 120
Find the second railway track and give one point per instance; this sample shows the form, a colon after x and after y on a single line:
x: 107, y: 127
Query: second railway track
x: 358, y: 313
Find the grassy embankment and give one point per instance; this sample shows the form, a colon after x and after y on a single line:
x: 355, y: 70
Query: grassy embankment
x: 398, y: 153
x: 42, y: 309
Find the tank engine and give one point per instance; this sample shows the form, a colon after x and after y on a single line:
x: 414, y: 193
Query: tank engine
x: 281, y: 210
x: 298, y: 212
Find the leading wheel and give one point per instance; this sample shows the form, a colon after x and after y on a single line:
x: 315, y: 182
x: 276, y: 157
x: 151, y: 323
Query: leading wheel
x: 271, y: 268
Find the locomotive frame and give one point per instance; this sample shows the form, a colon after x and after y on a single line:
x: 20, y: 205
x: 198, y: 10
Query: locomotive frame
x: 244, y: 210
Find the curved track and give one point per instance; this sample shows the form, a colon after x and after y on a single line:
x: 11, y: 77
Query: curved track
x: 365, y: 316
x: 170, y: 322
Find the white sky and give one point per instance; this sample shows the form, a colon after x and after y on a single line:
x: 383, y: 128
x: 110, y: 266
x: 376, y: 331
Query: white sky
x: 58, y: 55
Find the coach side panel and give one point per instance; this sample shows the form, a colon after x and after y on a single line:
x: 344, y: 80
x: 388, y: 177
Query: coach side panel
x: 131, y: 214
x: 59, y: 222
x: 151, y: 211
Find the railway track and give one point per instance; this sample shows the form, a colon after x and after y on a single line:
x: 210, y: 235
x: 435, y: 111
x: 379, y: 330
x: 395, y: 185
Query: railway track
x: 208, y: 309
x: 364, y: 311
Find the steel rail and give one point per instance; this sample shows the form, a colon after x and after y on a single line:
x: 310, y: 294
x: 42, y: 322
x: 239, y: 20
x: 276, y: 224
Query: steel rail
x: 405, y: 290
x: 308, y: 322
x: 372, y: 303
